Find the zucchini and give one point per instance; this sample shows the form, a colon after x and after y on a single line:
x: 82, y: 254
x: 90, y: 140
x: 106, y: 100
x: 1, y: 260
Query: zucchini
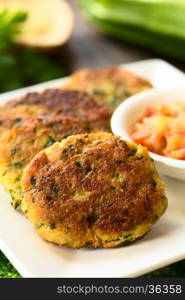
x: 155, y: 24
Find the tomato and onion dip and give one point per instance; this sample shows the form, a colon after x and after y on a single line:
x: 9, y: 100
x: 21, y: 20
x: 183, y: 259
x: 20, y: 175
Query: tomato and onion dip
x: 162, y: 130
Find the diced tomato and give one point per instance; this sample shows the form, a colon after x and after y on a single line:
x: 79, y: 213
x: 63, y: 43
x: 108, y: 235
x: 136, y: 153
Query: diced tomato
x: 162, y: 130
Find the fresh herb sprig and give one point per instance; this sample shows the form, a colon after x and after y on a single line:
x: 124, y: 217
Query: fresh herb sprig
x: 22, y: 66
x: 10, y: 26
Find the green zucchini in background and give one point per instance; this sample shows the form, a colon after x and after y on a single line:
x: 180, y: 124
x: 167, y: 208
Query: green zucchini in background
x: 155, y: 24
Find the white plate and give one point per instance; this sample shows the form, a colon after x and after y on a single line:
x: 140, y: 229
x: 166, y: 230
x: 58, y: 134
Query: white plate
x: 165, y: 244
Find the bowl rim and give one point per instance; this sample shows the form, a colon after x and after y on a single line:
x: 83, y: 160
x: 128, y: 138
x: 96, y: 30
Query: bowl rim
x: 129, y: 104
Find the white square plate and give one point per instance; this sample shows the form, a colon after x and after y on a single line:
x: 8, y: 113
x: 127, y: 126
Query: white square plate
x: 165, y: 244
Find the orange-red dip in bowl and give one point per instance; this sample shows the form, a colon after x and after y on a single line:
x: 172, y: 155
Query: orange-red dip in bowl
x: 162, y: 130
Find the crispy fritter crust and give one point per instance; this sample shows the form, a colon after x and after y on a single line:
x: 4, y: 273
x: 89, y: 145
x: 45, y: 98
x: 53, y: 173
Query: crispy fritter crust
x: 20, y: 144
x: 92, y: 190
x: 7, y: 123
x: 70, y: 103
x: 109, y: 86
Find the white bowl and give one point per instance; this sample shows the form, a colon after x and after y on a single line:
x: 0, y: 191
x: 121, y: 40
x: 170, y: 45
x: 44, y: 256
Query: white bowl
x: 128, y: 112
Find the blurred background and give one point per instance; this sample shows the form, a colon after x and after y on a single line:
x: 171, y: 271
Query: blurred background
x: 46, y: 39
x: 42, y: 40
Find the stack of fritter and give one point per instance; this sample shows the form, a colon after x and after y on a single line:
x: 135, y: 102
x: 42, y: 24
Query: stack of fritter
x: 36, y: 121
x: 88, y: 187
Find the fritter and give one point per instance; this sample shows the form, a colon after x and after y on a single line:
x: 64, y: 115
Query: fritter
x: 92, y: 190
x: 6, y: 124
x: 70, y: 103
x: 109, y: 86
x: 20, y: 144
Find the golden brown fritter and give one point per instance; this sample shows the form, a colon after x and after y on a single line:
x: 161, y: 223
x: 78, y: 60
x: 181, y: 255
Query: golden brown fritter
x: 109, y: 86
x: 92, y: 190
x: 20, y: 144
x: 70, y: 103
x: 6, y: 124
